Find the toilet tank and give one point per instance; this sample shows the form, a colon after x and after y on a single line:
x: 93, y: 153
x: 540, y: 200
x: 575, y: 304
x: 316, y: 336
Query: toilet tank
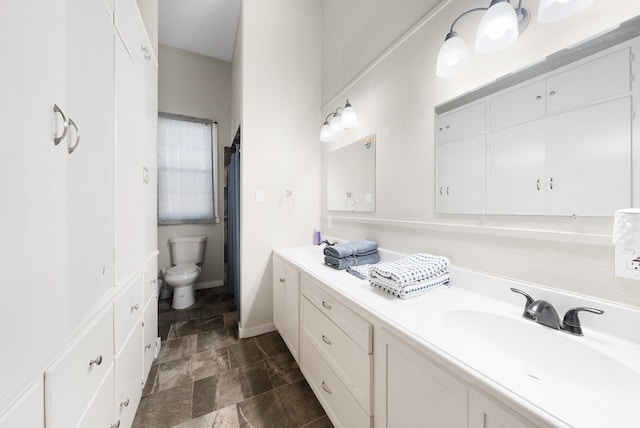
x: 187, y: 249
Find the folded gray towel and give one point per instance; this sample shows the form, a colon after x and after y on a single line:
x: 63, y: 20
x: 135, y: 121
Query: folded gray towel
x: 354, y: 248
x: 345, y: 262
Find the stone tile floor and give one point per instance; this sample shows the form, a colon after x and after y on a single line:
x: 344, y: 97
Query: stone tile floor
x: 205, y: 377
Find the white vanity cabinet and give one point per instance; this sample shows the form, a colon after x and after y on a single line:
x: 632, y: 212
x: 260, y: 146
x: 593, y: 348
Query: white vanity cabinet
x: 286, y: 303
x: 487, y: 412
x: 336, y: 355
x: 413, y: 391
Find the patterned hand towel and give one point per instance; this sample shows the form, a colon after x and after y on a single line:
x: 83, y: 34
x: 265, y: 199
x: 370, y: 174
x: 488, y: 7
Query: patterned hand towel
x: 413, y: 289
x: 417, y: 267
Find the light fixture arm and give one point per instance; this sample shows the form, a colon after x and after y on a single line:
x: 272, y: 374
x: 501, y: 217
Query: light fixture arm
x: 465, y: 13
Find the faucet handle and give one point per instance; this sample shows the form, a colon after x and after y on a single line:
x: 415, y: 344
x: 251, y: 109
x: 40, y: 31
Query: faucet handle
x: 525, y: 313
x: 571, y: 322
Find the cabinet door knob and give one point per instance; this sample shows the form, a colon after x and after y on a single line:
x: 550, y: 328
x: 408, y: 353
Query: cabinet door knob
x: 282, y: 280
x: 97, y: 361
x: 552, y: 93
x: 326, y: 305
x: 148, y: 346
x: 325, y: 340
x: 56, y: 140
x: 75, y: 146
x: 124, y: 403
x: 135, y: 307
x: 539, y: 97
x: 326, y: 388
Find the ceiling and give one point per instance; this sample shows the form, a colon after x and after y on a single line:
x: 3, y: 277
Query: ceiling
x: 205, y: 27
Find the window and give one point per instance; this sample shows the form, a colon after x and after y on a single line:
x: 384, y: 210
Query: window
x: 187, y: 170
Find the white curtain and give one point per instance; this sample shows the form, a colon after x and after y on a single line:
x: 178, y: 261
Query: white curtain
x: 187, y: 171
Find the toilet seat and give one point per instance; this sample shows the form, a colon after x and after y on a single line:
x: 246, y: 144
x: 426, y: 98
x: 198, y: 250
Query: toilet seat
x: 183, y: 269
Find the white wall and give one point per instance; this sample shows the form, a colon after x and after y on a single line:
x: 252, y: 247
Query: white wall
x: 194, y: 85
x: 280, y: 149
x: 395, y: 99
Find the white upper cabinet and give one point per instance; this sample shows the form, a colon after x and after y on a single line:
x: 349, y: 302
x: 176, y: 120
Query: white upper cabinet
x: 461, y: 122
x: 460, y: 176
x: 33, y: 202
x: 597, y: 79
x: 90, y: 39
x: 524, y: 103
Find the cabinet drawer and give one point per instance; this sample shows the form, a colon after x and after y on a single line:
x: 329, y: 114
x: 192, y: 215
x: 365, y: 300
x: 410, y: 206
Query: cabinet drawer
x: 519, y: 104
x: 131, y: 28
x: 339, y: 404
x: 346, y: 358
x: 128, y: 366
x: 150, y: 280
x: 149, y: 336
x: 461, y: 123
x: 128, y: 309
x: 72, y: 379
x: 100, y: 411
x: 359, y: 330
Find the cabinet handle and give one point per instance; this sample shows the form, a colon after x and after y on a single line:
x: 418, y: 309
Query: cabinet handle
x: 135, y: 307
x: 446, y: 127
x: 97, y: 361
x: 326, y: 388
x: 148, y: 346
x: 539, y: 97
x: 325, y: 340
x: 144, y: 48
x: 326, y: 305
x: 154, y: 280
x: 75, y: 146
x: 124, y: 403
x: 56, y: 140
x: 145, y: 175
x: 538, y: 184
x: 147, y: 57
x: 282, y: 280
x: 116, y: 425
x: 551, y: 183
x: 440, y: 129
x: 440, y: 190
x: 447, y: 190
x: 552, y: 93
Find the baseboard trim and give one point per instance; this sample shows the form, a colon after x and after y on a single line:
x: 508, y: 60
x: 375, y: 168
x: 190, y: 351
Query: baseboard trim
x: 209, y: 284
x: 244, y: 333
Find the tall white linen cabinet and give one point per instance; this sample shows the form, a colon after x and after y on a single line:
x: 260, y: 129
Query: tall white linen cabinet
x: 78, y: 199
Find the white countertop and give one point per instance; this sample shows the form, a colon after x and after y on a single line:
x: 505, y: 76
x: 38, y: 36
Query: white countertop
x: 476, y: 329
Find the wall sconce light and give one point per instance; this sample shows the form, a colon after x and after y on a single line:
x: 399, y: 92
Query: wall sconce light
x: 499, y: 27
x: 341, y: 119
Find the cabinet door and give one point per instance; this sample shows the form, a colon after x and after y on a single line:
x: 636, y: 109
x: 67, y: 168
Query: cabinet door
x: 90, y: 166
x: 33, y: 195
x: 462, y: 122
x: 278, y: 295
x: 100, y: 411
x: 515, y: 169
x: 149, y: 336
x: 595, y: 80
x: 461, y: 176
x: 128, y: 374
x: 520, y: 104
x: 129, y: 173
x: 292, y: 309
x: 411, y: 391
x: 485, y: 412
x: 151, y: 179
x: 589, y: 160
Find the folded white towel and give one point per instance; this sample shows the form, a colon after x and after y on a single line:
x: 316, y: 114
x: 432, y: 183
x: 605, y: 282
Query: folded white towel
x: 413, y: 289
x: 417, y: 267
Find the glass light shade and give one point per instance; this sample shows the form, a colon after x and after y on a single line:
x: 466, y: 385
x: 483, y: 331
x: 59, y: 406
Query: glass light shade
x: 557, y: 10
x: 453, y: 56
x: 336, y: 124
x: 498, y: 28
x: 349, y: 117
x: 325, y: 134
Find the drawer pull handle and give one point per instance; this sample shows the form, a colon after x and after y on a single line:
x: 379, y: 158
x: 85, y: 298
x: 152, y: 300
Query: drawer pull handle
x: 116, y: 425
x: 282, y: 280
x: 97, y: 361
x: 326, y: 305
x: 148, y: 346
x: 153, y: 281
x: 325, y: 340
x: 326, y: 388
x: 124, y: 403
x: 56, y: 140
x: 134, y: 307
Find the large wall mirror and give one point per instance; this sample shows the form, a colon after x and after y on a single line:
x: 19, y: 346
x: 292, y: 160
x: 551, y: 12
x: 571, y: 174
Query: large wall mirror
x: 351, y: 176
x: 552, y: 139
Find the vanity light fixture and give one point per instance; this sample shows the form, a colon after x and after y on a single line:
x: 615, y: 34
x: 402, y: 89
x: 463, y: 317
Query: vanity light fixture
x: 341, y: 119
x: 499, y: 27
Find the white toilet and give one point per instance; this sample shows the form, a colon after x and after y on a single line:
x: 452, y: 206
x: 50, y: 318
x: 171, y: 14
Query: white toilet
x: 186, y: 254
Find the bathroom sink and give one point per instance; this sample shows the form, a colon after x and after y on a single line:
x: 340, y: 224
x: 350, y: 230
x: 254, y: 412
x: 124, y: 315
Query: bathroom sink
x: 520, y: 351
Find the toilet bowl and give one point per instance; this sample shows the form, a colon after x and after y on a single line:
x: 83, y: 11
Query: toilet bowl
x: 183, y: 278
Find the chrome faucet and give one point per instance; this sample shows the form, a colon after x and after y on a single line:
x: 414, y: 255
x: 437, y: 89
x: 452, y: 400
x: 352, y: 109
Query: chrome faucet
x: 544, y: 313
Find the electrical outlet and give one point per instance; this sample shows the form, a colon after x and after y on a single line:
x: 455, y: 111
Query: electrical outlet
x: 627, y: 263
x: 634, y: 264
